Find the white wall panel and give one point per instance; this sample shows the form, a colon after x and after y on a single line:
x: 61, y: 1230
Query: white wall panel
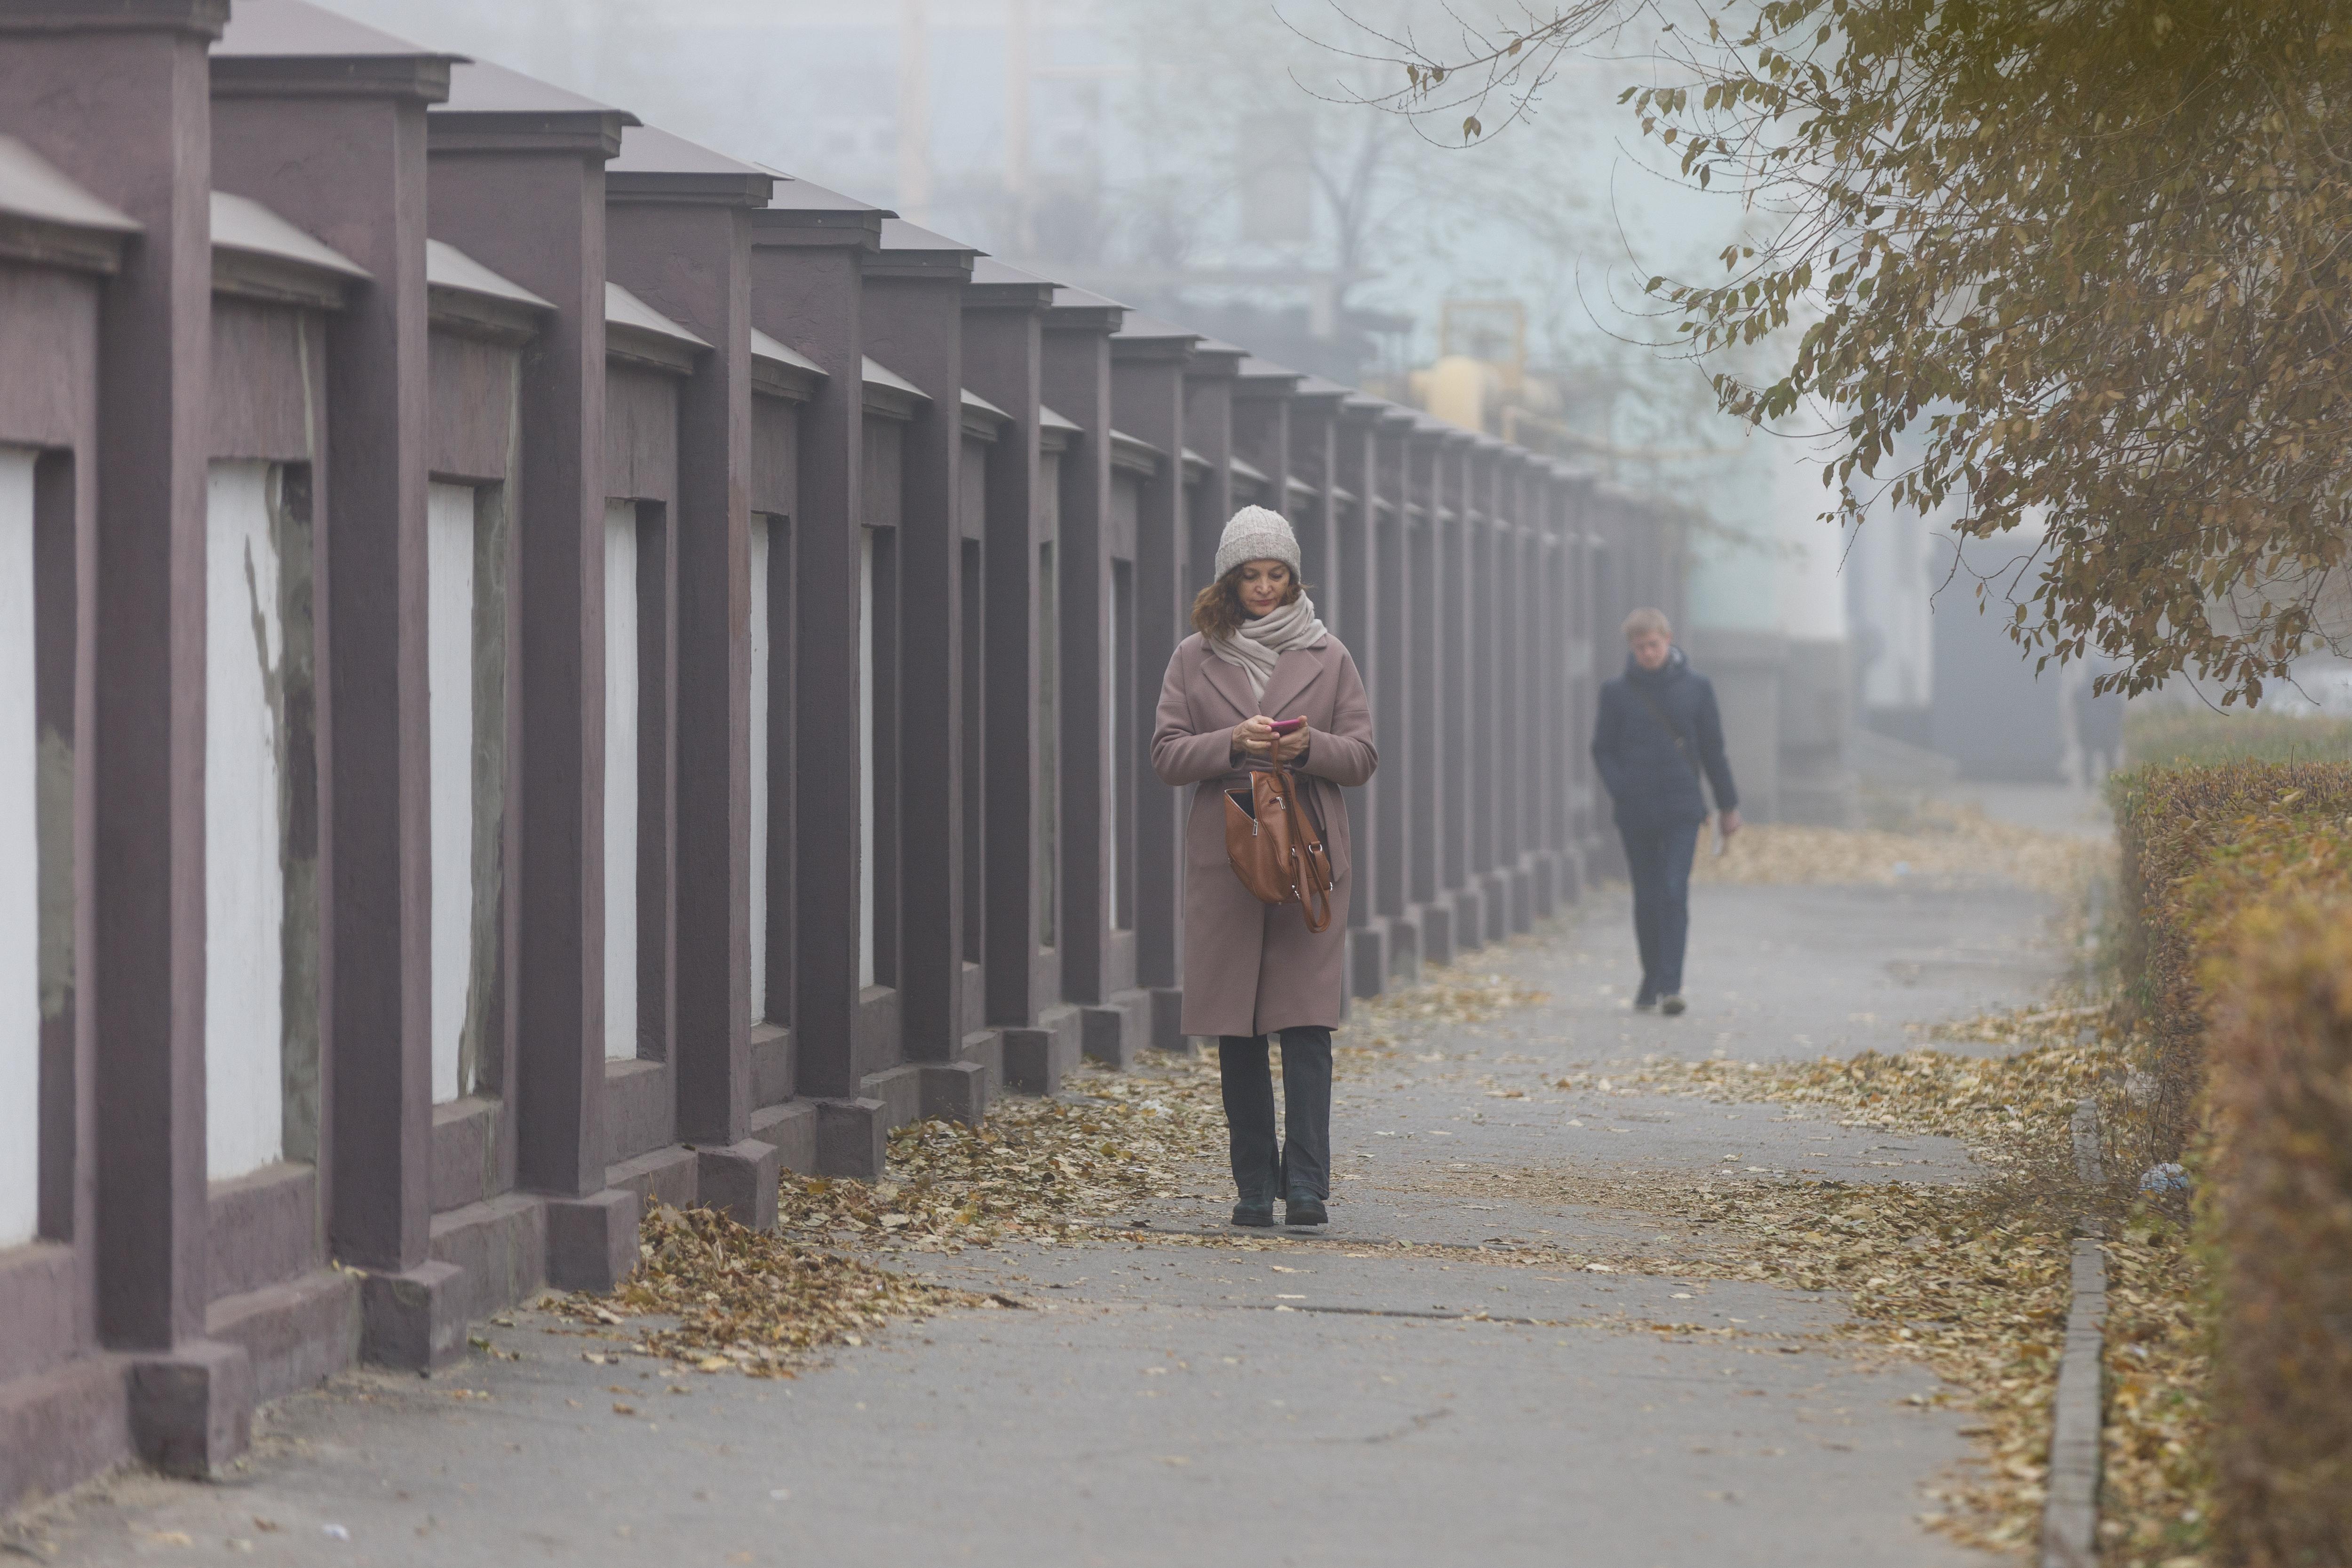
x: 20, y: 897
x: 758, y: 738
x: 449, y: 638
x: 245, y: 882
x: 620, y: 780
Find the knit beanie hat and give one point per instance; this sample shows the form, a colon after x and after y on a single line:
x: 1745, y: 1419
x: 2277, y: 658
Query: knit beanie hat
x: 1257, y: 534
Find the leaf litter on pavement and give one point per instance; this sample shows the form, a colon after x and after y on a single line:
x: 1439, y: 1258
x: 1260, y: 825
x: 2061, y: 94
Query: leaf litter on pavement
x: 1945, y: 840
x: 1970, y: 1280
x: 1044, y: 1171
x: 1974, y: 1279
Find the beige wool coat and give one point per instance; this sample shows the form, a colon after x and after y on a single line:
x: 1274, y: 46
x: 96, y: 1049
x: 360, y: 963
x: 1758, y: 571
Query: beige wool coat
x: 1253, y: 968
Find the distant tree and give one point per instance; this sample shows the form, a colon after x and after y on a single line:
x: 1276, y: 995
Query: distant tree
x: 2084, y: 265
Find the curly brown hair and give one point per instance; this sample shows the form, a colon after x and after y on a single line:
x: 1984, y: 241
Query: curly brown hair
x: 1217, y: 609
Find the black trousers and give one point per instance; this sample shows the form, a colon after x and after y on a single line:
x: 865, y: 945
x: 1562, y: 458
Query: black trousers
x: 1660, y: 861
x: 1299, y: 1165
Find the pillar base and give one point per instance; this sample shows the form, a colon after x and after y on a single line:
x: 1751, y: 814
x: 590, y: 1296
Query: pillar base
x: 1115, y: 1032
x: 1543, y: 885
x: 853, y: 1138
x: 1037, y: 1061
x: 1604, y: 859
x: 591, y: 1242
x: 192, y: 1408
x: 415, y: 1320
x: 1436, y: 922
x: 956, y: 1090
x: 1469, y: 902
x: 1403, y: 948
x: 1167, y: 1018
x: 1495, y: 902
x: 60, y: 1427
x: 1367, y: 960
x: 739, y: 1182
x: 1520, y: 910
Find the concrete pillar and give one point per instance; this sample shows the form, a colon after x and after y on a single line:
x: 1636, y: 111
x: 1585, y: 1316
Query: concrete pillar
x: 1519, y: 723
x: 1148, y: 402
x: 61, y: 1400
x: 1456, y: 705
x: 1004, y: 356
x: 1261, y: 395
x: 135, y: 131
x: 1104, y: 729
x: 1329, y: 465
x: 518, y: 183
x: 1210, y: 376
x: 783, y: 382
x: 1486, y: 522
x: 333, y: 139
x: 1367, y: 588
x: 808, y: 247
x: 678, y: 219
x: 1414, y: 441
x: 1544, y: 685
x: 913, y: 323
x: 1002, y: 363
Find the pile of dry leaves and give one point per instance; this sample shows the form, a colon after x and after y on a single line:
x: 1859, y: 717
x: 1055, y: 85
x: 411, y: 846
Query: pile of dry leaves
x: 751, y: 1301
x: 2156, y: 1481
x: 1038, y: 1171
x: 1998, y: 1105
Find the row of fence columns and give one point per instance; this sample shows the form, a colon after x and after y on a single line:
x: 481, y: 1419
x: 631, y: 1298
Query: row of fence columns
x: 569, y: 672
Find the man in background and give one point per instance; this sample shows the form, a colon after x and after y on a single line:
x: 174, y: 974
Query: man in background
x: 1658, y: 733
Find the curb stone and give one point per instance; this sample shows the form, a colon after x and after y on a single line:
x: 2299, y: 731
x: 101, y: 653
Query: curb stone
x: 2069, y: 1513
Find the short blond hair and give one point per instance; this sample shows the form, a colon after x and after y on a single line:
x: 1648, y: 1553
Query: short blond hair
x: 1646, y: 620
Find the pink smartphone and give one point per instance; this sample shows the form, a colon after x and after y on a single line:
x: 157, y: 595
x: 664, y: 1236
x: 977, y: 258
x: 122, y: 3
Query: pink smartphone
x: 1288, y: 726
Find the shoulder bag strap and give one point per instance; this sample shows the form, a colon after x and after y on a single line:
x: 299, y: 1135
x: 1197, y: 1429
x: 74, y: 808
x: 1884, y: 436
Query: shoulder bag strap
x: 1682, y: 747
x: 1314, y: 866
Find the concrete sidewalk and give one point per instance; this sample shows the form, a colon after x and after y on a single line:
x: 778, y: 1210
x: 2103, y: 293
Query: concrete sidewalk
x: 1203, y: 1398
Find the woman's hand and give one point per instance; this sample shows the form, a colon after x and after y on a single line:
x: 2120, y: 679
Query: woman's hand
x: 1254, y: 736
x: 1291, y: 747
x: 1730, y: 824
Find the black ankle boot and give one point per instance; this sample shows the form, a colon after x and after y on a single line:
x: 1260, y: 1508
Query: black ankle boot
x: 1255, y: 1212
x: 1304, y: 1211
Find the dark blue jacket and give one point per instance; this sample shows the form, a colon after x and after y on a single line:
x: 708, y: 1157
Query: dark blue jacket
x: 1652, y: 782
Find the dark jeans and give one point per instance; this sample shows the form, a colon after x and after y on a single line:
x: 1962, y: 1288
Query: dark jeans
x: 1659, y: 859
x: 1300, y: 1164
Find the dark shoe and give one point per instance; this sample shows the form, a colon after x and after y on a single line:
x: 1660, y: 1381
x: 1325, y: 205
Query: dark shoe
x: 1671, y: 1006
x: 1260, y: 1215
x: 1646, y: 1003
x: 1304, y: 1211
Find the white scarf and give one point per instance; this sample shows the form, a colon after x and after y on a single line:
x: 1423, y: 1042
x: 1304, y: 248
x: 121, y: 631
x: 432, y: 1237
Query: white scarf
x: 1262, y: 642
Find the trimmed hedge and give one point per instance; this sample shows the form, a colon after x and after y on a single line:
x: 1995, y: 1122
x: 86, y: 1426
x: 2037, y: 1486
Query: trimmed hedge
x: 2200, y: 845
x: 2278, y: 1213
x: 2237, y: 887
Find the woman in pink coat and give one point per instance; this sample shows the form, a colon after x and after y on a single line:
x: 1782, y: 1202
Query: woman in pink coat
x: 1254, y: 970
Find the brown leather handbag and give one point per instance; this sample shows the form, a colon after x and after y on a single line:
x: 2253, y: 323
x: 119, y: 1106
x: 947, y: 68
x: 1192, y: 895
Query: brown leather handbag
x: 1277, y: 846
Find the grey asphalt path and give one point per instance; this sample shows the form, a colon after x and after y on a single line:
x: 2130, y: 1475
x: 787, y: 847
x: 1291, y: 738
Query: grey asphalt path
x: 1199, y: 1396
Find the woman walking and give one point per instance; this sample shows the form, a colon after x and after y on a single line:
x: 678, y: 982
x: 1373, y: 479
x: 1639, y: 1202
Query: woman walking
x: 1254, y: 970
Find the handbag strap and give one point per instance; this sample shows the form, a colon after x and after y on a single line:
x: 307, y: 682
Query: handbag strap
x: 1314, y: 896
